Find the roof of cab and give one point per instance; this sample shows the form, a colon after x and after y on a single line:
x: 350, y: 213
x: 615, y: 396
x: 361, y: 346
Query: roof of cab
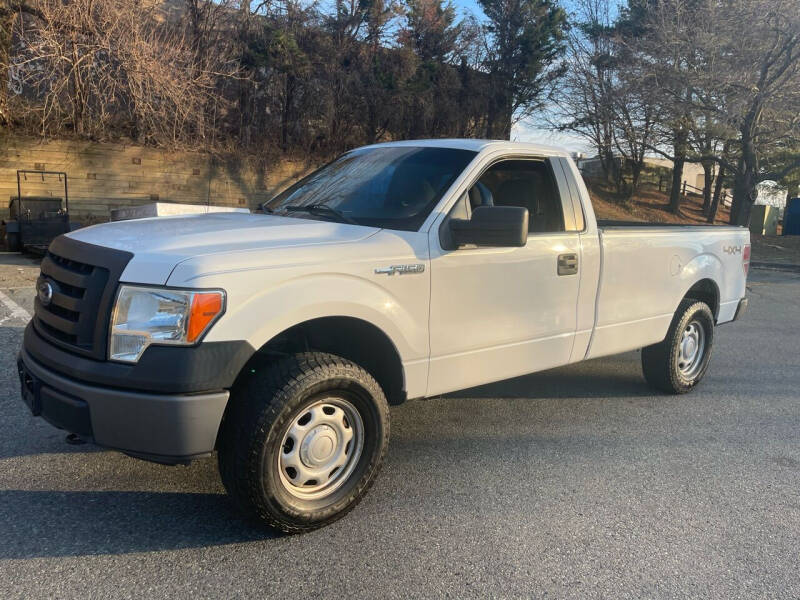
x: 479, y: 145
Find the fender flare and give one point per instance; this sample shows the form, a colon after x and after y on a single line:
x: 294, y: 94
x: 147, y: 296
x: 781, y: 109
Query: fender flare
x: 703, y: 268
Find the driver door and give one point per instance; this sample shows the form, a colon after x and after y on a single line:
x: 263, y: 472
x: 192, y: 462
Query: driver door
x: 498, y: 313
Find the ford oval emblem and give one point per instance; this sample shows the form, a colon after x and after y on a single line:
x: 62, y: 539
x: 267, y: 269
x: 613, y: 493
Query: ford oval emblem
x: 45, y: 292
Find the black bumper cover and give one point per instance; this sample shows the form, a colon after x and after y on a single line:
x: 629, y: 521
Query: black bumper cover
x: 163, y: 369
x: 166, y: 428
x: 166, y: 408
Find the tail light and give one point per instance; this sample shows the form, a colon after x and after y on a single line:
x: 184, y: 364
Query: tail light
x: 746, y: 259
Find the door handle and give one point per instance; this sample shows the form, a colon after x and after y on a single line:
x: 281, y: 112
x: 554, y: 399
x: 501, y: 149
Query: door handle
x: 567, y: 264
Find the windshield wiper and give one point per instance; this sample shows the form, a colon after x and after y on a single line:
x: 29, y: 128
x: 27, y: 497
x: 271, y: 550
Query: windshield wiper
x: 322, y: 210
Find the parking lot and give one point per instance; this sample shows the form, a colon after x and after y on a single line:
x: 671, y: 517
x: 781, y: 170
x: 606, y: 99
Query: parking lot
x: 578, y: 482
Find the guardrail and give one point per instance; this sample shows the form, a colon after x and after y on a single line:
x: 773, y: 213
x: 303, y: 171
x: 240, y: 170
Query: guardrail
x: 726, y: 200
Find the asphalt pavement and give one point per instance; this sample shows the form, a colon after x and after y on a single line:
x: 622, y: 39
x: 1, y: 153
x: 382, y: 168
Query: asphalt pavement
x: 574, y: 483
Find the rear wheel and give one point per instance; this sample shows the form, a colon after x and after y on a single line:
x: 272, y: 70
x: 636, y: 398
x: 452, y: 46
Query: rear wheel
x: 679, y: 362
x: 303, y: 440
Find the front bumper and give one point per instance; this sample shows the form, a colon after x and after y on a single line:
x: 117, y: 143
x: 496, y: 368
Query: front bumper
x: 160, y: 370
x: 167, y: 428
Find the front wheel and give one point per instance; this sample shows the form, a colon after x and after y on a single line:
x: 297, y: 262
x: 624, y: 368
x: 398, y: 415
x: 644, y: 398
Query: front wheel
x: 679, y: 362
x: 303, y: 440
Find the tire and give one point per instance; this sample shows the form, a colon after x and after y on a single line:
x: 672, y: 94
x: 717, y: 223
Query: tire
x: 671, y: 366
x: 287, y: 424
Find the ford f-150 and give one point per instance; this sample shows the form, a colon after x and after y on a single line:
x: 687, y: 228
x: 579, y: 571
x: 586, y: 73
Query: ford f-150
x: 400, y: 270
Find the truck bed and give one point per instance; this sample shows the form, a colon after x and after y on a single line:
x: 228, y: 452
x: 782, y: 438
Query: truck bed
x: 610, y: 223
x: 647, y: 268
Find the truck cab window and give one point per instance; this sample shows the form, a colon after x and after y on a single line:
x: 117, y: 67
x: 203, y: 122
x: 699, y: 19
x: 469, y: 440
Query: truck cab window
x: 526, y: 183
x: 394, y: 187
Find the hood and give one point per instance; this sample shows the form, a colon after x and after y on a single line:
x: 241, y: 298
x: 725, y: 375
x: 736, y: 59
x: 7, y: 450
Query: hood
x: 160, y: 243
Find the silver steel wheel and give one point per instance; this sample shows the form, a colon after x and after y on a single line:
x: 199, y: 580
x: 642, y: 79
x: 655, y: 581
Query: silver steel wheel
x: 320, y: 448
x: 692, y: 349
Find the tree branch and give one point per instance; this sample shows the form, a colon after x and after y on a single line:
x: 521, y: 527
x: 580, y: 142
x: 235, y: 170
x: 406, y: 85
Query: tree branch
x: 10, y: 7
x: 778, y: 175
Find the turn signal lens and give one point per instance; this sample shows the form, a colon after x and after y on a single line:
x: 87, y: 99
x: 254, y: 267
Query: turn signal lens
x: 144, y: 316
x: 205, y: 308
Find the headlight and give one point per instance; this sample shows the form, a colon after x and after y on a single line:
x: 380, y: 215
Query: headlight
x: 143, y: 316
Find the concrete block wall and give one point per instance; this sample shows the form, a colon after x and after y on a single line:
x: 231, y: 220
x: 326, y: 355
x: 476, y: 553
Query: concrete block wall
x: 103, y: 176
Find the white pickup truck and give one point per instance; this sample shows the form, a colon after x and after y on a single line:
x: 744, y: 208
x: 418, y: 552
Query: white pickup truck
x: 399, y: 270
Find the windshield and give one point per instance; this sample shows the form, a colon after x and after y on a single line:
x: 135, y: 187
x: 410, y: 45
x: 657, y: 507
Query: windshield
x: 394, y: 187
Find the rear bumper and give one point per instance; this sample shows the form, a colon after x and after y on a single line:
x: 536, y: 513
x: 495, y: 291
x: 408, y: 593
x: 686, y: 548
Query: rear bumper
x: 167, y: 428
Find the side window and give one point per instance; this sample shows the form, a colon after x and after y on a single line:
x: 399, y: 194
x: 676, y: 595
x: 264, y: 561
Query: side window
x: 526, y: 183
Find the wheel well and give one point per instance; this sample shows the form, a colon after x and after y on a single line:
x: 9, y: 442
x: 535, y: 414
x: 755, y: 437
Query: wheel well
x: 350, y: 338
x: 706, y: 291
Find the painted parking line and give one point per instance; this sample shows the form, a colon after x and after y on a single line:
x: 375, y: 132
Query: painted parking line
x: 15, y: 310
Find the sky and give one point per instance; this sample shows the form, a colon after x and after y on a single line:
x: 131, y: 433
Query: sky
x: 466, y: 7
x: 528, y: 131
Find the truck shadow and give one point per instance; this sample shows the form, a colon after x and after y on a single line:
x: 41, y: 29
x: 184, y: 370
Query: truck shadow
x: 609, y: 377
x: 55, y: 523
x: 50, y: 523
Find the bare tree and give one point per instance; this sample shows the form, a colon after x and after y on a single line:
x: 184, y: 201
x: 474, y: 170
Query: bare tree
x: 635, y: 109
x: 90, y: 68
x: 745, y: 74
x: 609, y: 96
x: 719, y: 182
x: 585, y: 102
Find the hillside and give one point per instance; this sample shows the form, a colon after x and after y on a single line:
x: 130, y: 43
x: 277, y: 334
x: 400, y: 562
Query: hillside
x: 649, y: 206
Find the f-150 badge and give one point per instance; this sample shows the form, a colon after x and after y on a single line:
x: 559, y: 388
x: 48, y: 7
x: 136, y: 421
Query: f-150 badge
x: 399, y: 269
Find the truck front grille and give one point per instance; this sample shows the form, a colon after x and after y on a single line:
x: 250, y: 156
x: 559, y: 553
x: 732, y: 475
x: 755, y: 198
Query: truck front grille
x: 83, y: 279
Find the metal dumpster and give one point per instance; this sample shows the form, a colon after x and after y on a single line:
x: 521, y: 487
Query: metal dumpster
x: 791, y: 217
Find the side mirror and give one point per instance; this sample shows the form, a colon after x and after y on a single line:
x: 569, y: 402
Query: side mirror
x: 499, y: 226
